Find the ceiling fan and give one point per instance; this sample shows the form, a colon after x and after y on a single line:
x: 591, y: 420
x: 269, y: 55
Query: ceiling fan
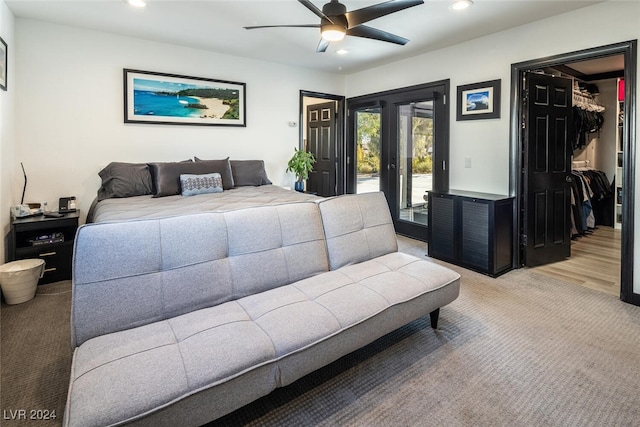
x: 336, y: 22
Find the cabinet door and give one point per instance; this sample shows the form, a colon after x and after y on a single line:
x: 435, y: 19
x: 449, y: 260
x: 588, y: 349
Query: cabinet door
x: 57, y: 259
x: 442, y: 227
x: 474, y: 234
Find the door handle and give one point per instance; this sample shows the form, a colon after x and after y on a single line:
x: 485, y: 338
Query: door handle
x: 392, y: 166
x: 568, y: 178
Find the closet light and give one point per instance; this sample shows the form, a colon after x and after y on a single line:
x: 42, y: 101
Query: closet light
x: 460, y: 4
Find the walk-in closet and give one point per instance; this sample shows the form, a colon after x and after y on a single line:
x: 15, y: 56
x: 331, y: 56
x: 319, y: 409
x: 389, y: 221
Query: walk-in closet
x: 597, y: 170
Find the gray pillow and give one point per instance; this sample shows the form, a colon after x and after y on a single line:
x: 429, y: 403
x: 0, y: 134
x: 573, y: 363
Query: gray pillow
x: 124, y: 180
x: 166, y: 176
x: 249, y: 172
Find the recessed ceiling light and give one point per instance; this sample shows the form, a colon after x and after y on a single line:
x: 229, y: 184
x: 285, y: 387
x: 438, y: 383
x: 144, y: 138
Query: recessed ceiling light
x: 342, y: 51
x: 136, y: 3
x: 460, y: 4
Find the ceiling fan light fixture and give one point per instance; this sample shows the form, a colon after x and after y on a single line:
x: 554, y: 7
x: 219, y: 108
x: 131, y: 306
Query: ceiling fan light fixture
x: 336, y: 22
x: 333, y: 33
x: 460, y: 4
x: 136, y: 3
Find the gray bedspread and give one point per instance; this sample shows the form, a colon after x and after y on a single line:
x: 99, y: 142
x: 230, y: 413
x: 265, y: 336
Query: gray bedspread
x: 149, y: 207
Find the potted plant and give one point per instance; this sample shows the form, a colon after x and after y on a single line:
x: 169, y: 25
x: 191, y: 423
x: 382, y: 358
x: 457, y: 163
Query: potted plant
x: 301, y: 164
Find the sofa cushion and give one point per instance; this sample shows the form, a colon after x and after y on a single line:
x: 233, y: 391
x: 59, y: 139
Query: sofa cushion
x: 125, y: 367
x: 161, y: 268
x: 273, y: 334
x: 356, y: 228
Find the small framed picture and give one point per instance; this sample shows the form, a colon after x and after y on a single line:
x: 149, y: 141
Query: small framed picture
x: 479, y: 101
x: 3, y: 64
x: 158, y: 98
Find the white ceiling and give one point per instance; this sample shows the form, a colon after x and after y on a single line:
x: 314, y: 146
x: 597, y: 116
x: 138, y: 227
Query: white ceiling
x: 217, y: 25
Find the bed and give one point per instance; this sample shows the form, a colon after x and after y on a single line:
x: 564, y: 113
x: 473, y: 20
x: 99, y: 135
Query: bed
x: 156, y: 190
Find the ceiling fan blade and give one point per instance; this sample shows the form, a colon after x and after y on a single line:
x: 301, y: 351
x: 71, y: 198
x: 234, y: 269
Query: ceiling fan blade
x: 283, y: 26
x: 314, y: 9
x: 322, y: 46
x: 375, y: 34
x: 360, y: 16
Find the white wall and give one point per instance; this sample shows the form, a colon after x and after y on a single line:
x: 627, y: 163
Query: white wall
x: 69, y: 112
x: 491, y: 57
x: 7, y: 128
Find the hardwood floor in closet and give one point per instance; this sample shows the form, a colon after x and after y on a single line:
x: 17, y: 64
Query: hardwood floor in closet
x: 594, y: 262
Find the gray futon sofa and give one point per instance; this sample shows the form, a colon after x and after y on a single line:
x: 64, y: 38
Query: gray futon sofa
x: 181, y: 320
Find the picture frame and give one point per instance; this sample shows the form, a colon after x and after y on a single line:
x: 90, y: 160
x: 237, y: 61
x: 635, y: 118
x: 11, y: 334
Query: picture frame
x: 479, y: 101
x: 172, y: 99
x: 4, y: 62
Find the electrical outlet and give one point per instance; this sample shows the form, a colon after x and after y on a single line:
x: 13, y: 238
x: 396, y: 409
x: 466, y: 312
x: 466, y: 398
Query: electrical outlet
x: 467, y: 162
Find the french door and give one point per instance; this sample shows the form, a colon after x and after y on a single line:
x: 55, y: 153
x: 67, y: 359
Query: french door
x: 398, y: 144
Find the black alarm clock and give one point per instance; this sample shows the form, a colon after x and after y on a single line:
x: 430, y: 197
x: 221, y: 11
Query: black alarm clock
x: 67, y: 204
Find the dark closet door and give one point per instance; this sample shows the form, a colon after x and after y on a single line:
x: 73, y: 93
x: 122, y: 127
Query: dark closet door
x: 321, y: 141
x: 547, y: 178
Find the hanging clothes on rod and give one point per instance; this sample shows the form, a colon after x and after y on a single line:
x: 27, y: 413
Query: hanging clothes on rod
x: 591, y: 194
x: 588, y: 117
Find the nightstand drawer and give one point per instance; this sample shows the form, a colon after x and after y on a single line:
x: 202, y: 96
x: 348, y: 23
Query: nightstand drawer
x: 57, y: 260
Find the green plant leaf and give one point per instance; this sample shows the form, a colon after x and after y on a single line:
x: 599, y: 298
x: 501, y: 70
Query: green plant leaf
x: 301, y: 164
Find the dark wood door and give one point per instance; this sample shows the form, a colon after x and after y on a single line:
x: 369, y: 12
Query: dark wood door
x: 546, y: 227
x: 321, y: 141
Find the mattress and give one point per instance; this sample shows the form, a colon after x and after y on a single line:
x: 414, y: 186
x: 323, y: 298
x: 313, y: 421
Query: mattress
x: 123, y: 209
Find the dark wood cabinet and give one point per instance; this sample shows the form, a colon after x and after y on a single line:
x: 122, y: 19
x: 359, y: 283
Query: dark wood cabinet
x: 49, y: 239
x: 473, y: 230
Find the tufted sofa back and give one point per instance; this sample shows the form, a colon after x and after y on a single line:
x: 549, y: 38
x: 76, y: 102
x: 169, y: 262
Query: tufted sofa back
x: 357, y: 228
x: 129, y: 274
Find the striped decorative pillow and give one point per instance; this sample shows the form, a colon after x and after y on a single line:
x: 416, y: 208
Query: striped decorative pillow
x: 200, y: 184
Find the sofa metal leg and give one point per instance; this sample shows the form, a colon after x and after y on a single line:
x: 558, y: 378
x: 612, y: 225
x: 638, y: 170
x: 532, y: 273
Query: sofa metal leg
x: 434, y: 318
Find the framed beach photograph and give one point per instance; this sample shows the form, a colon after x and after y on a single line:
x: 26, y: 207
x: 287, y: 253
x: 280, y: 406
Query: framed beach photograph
x: 157, y: 98
x: 3, y: 64
x: 479, y: 101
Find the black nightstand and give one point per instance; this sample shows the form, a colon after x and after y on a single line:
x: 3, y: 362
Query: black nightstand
x: 50, y: 239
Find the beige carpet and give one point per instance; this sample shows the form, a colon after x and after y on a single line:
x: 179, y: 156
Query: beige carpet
x: 520, y: 350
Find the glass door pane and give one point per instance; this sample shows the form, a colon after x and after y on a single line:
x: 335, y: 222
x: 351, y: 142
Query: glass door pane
x: 367, y: 134
x: 398, y: 144
x: 415, y: 160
